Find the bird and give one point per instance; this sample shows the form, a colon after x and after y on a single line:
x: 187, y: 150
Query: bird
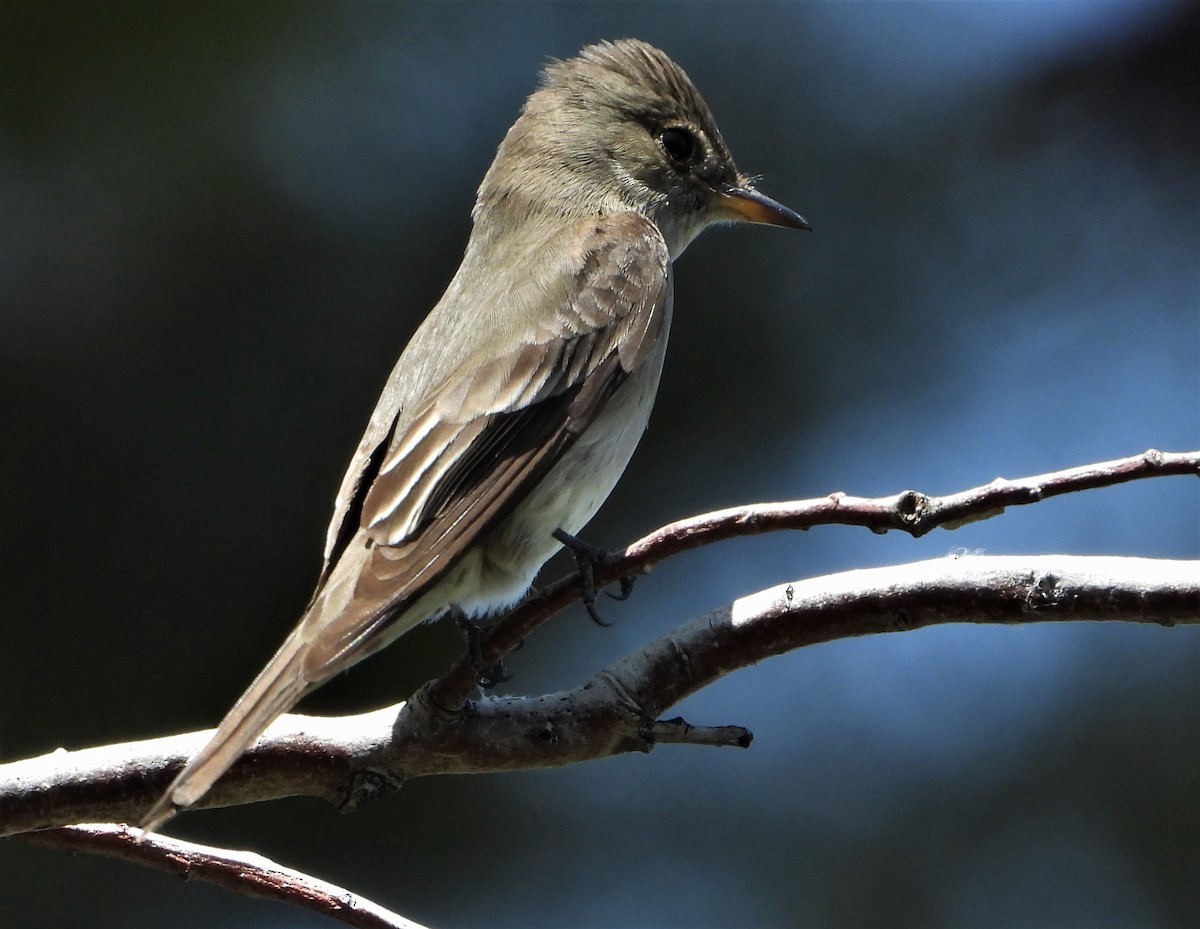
x: 518, y: 402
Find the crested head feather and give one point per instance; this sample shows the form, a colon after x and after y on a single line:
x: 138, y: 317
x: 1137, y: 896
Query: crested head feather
x: 631, y: 77
x: 586, y: 143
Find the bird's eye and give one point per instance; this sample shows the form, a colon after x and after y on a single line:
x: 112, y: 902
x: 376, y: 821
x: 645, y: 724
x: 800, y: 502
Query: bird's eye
x: 682, y: 147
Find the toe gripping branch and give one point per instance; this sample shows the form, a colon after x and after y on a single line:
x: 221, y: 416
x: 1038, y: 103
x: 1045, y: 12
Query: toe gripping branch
x: 487, y: 676
x: 586, y: 558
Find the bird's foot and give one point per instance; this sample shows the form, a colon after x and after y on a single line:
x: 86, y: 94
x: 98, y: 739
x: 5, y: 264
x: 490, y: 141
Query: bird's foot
x: 586, y: 558
x: 487, y: 676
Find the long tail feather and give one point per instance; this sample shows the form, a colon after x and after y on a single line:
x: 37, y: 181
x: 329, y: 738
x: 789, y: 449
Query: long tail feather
x: 276, y: 690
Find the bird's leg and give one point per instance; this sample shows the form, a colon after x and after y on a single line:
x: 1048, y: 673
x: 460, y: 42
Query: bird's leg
x: 586, y: 558
x: 486, y: 676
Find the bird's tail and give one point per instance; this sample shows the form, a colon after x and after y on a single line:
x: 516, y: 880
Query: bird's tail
x: 345, y: 622
x: 276, y: 690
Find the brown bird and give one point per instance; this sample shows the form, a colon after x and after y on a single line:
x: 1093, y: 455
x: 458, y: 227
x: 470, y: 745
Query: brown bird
x: 519, y: 401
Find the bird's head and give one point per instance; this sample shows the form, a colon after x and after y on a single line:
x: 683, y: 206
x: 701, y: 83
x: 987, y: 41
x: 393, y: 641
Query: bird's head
x: 622, y: 127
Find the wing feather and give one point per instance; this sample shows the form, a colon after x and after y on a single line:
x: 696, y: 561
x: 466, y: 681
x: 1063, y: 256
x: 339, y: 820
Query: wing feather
x: 615, y: 308
x: 478, y: 445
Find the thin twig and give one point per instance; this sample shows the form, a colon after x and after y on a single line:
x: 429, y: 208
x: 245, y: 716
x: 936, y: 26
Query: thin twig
x: 910, y: 511
x: 244, y: 872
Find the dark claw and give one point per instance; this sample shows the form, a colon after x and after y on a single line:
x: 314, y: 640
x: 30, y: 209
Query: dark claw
x: 626, y: 588
x: 586, y: 558
x: 492, y: 676
x: 590, y: 606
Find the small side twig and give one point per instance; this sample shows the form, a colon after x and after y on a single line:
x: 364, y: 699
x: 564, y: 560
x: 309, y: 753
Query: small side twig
x: 679, y: 731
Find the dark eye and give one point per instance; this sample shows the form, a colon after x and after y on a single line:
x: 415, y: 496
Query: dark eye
x: 681, y: 146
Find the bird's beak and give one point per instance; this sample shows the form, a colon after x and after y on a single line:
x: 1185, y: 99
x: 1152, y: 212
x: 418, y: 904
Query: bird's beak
x: 753, y: 207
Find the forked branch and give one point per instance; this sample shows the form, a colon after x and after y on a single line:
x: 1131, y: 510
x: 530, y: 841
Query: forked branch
x: 351, y: 760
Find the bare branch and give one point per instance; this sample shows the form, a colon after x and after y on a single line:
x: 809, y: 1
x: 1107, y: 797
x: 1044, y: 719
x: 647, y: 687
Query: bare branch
x: 910, y: 511
x: 244, y: 872
x: 351, y: 760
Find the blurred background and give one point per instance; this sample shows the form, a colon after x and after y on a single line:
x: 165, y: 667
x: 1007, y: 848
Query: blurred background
x: 219, y: 223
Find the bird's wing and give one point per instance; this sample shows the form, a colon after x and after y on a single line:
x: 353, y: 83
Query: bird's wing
x: 476, y: 446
